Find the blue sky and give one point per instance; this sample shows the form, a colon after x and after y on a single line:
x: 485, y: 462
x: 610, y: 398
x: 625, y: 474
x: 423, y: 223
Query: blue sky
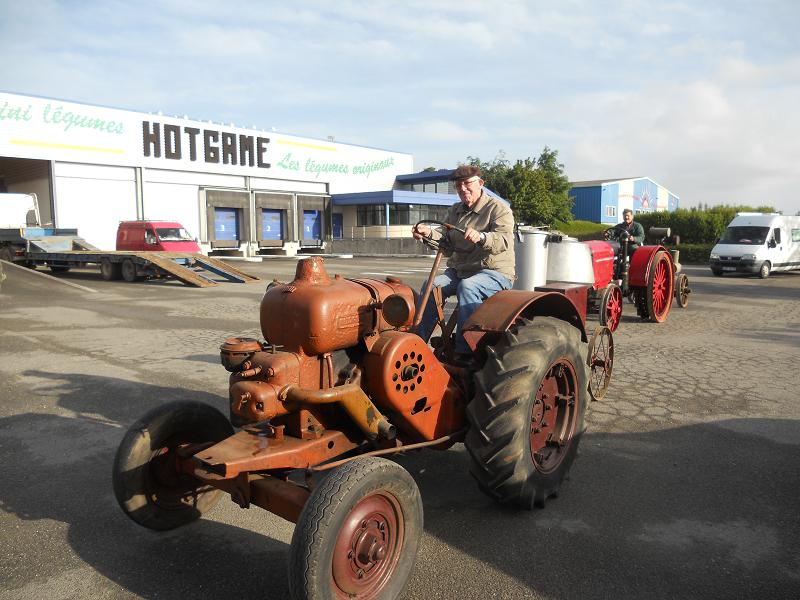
x: 700, y: 96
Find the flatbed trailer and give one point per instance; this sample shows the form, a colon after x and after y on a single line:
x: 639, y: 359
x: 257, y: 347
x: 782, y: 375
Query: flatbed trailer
x: 62, y: 249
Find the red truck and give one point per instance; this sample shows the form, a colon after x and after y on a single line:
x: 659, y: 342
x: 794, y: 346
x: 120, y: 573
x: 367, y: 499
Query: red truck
x: 148, y: 236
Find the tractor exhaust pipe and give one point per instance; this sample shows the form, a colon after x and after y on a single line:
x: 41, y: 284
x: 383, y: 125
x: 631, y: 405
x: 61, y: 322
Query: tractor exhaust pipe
x: 357, y: 404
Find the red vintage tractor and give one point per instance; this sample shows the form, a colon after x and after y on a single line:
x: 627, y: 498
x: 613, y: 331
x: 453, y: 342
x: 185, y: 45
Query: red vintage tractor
x: 340, y: 381
x: 648, y: 276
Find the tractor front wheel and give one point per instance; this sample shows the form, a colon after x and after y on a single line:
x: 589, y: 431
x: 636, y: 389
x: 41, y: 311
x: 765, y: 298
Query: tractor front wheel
x: 682, y: 290
x: 527, y: 415
x: 358, y: 533
x: 149, y: 483
x: 660, y: 282
x: 611, y: 307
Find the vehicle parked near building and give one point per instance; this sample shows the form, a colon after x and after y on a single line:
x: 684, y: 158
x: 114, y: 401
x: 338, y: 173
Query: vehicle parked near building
x: 144, y: 248
x: 149, y: 236
x: 758, y: 243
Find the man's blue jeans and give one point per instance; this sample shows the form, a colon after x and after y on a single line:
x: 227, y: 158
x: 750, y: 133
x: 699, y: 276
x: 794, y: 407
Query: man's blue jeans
x: 471, y: 292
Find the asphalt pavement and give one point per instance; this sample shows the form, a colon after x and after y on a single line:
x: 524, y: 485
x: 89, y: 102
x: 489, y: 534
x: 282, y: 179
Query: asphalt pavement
x: 686, y: 485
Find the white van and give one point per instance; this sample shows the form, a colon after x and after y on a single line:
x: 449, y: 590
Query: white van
x: 758, y: 243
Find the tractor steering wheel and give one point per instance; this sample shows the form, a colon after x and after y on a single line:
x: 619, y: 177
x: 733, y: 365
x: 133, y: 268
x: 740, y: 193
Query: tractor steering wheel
x: 442, y: 227
x: 608, y: 234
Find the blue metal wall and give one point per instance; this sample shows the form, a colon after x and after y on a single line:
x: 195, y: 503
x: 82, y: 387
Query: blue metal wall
x: 645, y: 193
x: 586, y: 203
x: 610, y: 197
x: 673, y: 203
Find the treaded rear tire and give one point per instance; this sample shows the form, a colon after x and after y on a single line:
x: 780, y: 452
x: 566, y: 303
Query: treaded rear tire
x: 334, y: 515
x: 505, y: 411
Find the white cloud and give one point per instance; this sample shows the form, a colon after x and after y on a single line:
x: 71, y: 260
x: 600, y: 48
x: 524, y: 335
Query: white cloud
x: 701, y: 97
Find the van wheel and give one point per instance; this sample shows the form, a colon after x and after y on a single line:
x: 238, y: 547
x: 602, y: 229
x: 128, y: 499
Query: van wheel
x: 129, y: 270
x: 763, y: 272
x: 717, y: 272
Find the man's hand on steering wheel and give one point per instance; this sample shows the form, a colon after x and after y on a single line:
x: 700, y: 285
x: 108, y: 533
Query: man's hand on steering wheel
x: 423, y: 231
x: 420, y: 231
x: 472, y: 235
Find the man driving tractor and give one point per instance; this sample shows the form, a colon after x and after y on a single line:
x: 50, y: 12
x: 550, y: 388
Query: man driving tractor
x: 628, y: 230
x: 481, y: 260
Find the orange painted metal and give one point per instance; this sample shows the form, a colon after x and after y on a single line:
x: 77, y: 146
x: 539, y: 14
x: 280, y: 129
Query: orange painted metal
x: 315, y: 313
x: 411, y: 385
x: 502, y: 310
x: 354, y: 401
x: 576, y: 292
x: 247, y: 451
x: 282, y: 498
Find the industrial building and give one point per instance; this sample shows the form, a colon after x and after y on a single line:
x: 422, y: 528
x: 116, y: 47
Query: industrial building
x: 240, y: 191
x: 603, y: 200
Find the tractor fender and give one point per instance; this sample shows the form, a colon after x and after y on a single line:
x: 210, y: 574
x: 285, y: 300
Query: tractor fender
x: 501, y: 311
x: 641, y: 261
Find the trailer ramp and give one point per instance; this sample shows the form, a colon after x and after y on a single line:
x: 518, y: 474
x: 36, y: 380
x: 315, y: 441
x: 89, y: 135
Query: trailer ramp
x: 195, y: 269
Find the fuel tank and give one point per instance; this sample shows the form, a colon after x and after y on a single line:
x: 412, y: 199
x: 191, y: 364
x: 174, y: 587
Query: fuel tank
x: 530, y: 250
x: 570, y: 261
x: 315, y: 313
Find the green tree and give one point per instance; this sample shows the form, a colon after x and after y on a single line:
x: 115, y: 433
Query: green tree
x: 537, y: 188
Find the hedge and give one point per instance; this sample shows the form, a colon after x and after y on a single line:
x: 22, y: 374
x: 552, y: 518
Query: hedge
x: 693, y: 254
x: 695, y: 226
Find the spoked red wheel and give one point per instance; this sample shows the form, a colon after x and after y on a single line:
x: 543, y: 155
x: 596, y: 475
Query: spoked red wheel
x: 659, y: 287
x: 611, y: 307
x: 600, y: 360
x: 358, y: 534
x: 553, y: 416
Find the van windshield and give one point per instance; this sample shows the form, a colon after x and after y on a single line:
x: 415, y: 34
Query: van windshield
x: 753, y: 236
x: 173, y: 234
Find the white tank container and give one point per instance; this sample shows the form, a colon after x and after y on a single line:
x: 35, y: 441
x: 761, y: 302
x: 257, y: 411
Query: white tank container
x: 530, y: 251
x: 570, y: 261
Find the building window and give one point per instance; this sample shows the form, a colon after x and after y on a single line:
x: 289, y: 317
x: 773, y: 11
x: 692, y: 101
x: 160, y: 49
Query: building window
x: 611, y: 211
x: 370, y: 215
x: 399, y: 214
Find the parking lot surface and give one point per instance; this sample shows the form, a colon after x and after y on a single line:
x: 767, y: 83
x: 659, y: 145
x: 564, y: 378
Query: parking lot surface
x: 686, y: 485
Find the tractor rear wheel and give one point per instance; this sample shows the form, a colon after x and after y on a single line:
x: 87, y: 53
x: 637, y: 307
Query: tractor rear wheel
x: 147, y: 481
x: 358, y: 533
x: 659, y: 287
x: 526, y: 418
x: 611, y: 307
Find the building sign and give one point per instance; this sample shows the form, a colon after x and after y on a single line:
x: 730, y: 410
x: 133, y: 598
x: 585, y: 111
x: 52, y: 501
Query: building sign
x: 40, y: 128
